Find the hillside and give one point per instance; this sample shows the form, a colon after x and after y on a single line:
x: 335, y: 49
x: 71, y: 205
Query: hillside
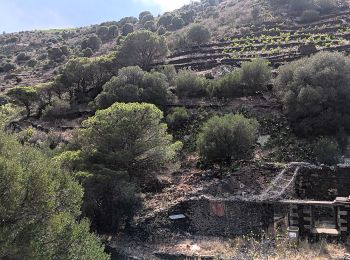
x: 192, y: 134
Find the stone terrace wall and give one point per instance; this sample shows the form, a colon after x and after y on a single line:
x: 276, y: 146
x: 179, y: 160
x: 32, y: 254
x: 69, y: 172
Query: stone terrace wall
x: 323, y: 183
x: 228, y: 218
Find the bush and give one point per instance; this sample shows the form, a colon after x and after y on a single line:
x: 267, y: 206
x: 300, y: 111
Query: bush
x: 127, y: 29
x: 55, y: 54
x: 93, y: 42
x: 161, y: 30
x: 57, y: 109
x: 177, y: 118
x: 315, y: 93
x: 150, y: 25
x: 7, y: 67
x: 165, y: 20
x: 177, y: 23
x: 227, y: 138
x: 189, y: 84
x: 22, y: 57
x: 147, y: 18
x: 142, y: 48
x: 87, y: 53
x: 32, y: 63
x: 309, y: 16
x: 298, y: 6
x: 326, y: 6
x: 327, y: 151
x: 228, y: 86
x: 198, y: 34
x: 255, y: 75
x: 134, y: 85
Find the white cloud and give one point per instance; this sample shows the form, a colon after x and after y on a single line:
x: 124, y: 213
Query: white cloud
x: 167, y: 5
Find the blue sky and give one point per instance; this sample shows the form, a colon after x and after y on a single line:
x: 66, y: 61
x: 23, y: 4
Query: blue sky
x: 22, y: 15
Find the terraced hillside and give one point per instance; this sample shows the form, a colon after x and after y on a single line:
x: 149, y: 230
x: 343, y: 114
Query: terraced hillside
x: 275, y: 42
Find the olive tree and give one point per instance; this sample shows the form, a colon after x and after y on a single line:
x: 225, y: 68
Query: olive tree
x: 315, y: 93
x: 134, y: 85
x: 142, y: 48
x: 198, y: 34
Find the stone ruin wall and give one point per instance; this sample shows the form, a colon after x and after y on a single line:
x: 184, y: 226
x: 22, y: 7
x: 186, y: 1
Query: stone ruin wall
x: 228, y: 218
x: 323, y: 183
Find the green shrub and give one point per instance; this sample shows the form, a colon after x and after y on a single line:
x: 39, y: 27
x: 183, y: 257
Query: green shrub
x: 55, y: 54
x: 315, y: 93
x: 178, y: 117
x: 327, y: 151
x: 7, y: 67
x: 127, y: 29
x: 22, y: 57
x: 134, y: 85
x: 93, y: 42
x: 161, y: 30
x: 57, y: 109
x: 177, y: 23
x: 326, y: 6
x: 309, y: 16
x: 189, y: 84
x: 255, y: 75
x: 88, y: 52
x: 32, y: 63
x: 227, y: 138
x: 142, y: 48
x: 198, y: 34
x: 228, y: 86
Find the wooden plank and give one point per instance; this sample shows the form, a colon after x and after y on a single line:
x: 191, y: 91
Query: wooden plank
x: 327, y: 231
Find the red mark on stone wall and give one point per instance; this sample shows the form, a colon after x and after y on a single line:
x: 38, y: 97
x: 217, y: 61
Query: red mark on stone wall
x: 217, y: 208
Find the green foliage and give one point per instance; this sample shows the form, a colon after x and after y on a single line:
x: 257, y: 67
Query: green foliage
x: 21, y: 57
x: 88, y: 52
x: 147, y: 18
x: 38, y: 207
x: 7, y: 67
x: 23, y: 96
x: 189, y: 84
x: 178, y: 117
x: 326, y: 6
x: 82, y: 75
x: 316, y: 93
x: 142, y: 48
x: 151, y: 26
x: 55, y: 54
x: 327, y: 151
x: 161, y: 30
x: 93, y: 42
x: 106, y: 33
x: 127, y: 137
x: 309, y: 16
x: 227, y: 138
x: 165, y: 20
x: 127, y: 29
x: 228, y: 86
x: 117, y: 145
x: 177, y: 23
x: 255, y: 75
x: 198, y: 34
x: 56, y: 109
x: 143, y: 14
x: 134, y: 85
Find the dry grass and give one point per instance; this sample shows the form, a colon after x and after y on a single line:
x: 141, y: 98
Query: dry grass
x: 248, y: 248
